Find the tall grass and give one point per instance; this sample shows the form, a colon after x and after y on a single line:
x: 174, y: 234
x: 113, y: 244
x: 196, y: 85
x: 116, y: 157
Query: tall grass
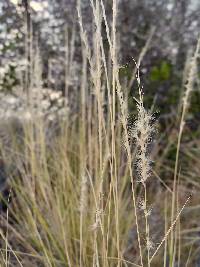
x: 74, y: 202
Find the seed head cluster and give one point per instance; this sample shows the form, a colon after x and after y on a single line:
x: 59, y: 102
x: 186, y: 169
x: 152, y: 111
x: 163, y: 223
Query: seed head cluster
x: 142, y: 132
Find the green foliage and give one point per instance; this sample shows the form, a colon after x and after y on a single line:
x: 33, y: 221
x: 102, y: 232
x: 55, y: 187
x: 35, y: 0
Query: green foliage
x: 161, y: 72
x: 195, y: 100
x: 9, y: 79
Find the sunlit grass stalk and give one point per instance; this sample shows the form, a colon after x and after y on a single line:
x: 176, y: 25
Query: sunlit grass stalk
x: 83, y: 207
x: 113, y: 50
x: 185, y: 106
x: 143, y: 132
x: 83, y: 151
x: 124, y: 117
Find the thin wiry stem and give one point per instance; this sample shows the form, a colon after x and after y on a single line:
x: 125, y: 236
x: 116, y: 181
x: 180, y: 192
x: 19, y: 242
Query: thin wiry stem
x: 170, y: 229
x: 128, y: 150
x: 185, y: 106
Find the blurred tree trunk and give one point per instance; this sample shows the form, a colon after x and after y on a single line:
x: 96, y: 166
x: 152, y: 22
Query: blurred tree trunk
x: 181, y: 7
x: 27, y: 20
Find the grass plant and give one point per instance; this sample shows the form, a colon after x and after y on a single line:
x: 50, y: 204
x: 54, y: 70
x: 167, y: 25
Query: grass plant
x: 74, y: 202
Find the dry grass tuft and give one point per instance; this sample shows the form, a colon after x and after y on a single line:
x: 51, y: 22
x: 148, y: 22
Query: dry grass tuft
x: 75, y: 202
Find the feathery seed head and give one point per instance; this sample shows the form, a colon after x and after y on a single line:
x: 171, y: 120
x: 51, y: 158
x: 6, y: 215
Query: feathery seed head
x: 142, y: 133
x: 149, y: 244
x: 143, y: 207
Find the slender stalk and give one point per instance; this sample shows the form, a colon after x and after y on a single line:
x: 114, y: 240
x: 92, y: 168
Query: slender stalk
x: 185, y: 106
